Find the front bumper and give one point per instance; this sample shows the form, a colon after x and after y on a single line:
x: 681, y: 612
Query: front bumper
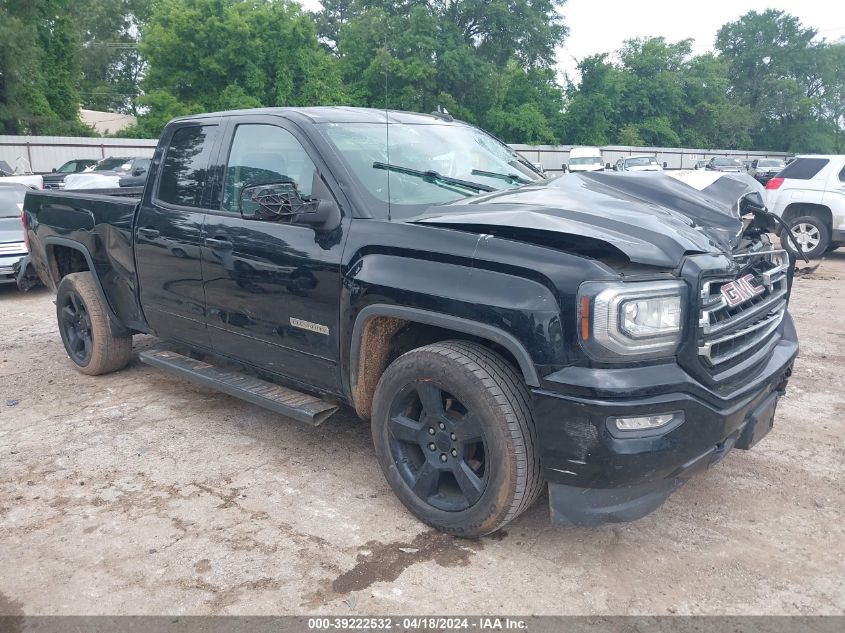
x: 596, y: 476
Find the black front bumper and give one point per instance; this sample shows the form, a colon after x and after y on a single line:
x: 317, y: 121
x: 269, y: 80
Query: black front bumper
x: 595, y: 475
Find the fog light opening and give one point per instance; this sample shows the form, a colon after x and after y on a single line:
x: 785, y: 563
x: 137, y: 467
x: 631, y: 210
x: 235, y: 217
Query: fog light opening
x: 647, y: 422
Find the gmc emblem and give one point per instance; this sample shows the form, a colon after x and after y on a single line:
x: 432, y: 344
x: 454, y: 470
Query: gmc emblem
x: 741, y: 290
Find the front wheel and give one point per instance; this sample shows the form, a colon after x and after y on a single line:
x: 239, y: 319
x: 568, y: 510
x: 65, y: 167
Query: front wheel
x: 85, y: 330
x: 455, y: 438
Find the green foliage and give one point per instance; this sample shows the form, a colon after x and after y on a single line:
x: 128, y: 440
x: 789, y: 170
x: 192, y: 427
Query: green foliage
x: 793, y: 83
x: 109, y: 59
x: 488, y: 62
x: 39, y: 69
x: 223, y: 54
x: 771, y: 84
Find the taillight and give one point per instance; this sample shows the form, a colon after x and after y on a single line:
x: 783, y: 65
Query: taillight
x: 25, y: 232
x: 774, y: 183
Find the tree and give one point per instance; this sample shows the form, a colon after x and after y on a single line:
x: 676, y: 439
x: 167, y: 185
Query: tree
x: 109, y: 59
x: 39, y: 70
x: 792, y: 82
x: 224, y: 54
x: 486, y: 61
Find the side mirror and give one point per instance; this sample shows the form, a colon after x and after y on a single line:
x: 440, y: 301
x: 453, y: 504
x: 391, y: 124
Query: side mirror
x: 270, y: 201
x: 139, y: 171
x: 751, y: 202
x: 564, y: 167
x: 665, y: 164
x: 54, y: 170
x: 607, y: 166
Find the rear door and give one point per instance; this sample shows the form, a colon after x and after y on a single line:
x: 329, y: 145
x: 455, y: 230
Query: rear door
x: 273, y: 286
x: 168, y: 232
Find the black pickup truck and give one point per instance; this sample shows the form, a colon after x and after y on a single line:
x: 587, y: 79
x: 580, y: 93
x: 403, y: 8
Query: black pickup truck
x: 607, y: 335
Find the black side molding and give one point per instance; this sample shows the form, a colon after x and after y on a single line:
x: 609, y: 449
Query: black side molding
x: 299, y: 406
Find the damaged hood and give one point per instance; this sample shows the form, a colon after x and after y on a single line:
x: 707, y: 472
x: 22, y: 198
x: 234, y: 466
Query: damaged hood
x: 654, y: 219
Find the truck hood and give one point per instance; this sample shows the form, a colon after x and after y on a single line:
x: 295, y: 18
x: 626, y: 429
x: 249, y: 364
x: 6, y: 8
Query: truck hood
x: 652, y: 219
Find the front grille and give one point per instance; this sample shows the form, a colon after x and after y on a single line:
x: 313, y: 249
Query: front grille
x: 729, y: 333
x: 13, y: 248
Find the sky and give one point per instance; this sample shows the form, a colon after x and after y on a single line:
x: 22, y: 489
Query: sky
x: 600, y: 26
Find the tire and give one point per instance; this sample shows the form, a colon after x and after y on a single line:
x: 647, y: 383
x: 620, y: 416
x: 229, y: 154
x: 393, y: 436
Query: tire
x: 84, y: 327
x: 484, y: 469
x: 810, y: 230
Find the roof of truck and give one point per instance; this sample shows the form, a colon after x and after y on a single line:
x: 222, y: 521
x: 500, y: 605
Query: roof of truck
x: 336, y: 114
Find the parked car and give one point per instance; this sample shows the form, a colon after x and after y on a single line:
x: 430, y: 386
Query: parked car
x: 9, y: 175
x: 764, y: 169
x: 483, y: 318
x: 639, y: 162
x: 138, y: 176
x: 106, y: 174
x: 584, y: 159
x: 718, y: 163
x: 15, y: 266
x: 56, y: 179
x: 809, y: 194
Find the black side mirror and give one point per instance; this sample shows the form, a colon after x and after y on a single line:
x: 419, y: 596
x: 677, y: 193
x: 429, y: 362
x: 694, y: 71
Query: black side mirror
x: 564, y: 167
x: 139, y: 171
x: 665, y: 164
x: 54, y: 170
x: 270, y: 201
x: 607, y: 166
x: 751, y: 202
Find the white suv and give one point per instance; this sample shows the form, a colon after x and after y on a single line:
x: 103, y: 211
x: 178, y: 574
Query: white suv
x: 809, y: 194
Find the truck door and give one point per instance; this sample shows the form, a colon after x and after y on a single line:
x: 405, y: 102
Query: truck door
x: 272, y: 286
x: 168, y: 232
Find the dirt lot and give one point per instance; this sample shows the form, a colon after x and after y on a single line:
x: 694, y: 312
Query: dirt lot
x: 140, y: 493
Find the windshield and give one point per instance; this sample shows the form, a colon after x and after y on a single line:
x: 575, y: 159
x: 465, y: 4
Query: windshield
x: 11, y: 201
x: 727, y: 162
x: 453, y: 150
x: 641, y: 161
x: 114, y: 164
x: 770, y: 163
x: 67, y: 168
x: 587, y: 160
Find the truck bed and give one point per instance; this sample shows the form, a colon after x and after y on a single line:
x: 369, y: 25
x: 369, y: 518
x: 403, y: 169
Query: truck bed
x: 97, y: 223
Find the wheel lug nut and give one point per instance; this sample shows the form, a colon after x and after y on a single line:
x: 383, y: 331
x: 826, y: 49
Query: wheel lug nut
x: 443, y: 457
x: 453, y: 436
x: 454, y: 452
x: 442, y: 426
x: 431, y: 430
x: 432, y: 447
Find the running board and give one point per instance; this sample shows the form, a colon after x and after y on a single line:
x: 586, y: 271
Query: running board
x: 296, y: 405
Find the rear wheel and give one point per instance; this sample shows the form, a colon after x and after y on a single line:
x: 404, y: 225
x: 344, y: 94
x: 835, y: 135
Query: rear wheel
x: 811, y: 233
x: 454, y: 435
x: 85, y: 330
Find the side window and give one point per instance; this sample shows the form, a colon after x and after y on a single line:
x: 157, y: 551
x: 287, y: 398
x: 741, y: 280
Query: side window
x: 185, y: 167
x: 804, y: 168
x: 263, y: 154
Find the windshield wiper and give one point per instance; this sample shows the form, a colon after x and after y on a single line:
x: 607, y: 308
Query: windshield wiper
x: 433, y: 177
x: 511, y: 178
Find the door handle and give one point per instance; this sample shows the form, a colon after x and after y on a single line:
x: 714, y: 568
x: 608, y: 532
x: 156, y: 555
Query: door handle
x: 149, y: 232
x: 218, y: 244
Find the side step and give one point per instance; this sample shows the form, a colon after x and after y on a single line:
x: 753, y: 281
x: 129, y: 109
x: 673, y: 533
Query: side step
x: 296, y: 405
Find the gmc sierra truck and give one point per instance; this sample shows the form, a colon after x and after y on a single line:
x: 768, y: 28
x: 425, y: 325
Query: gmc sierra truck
x: 606, y: 335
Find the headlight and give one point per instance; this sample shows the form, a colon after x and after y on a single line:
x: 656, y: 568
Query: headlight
x: 630, y: 321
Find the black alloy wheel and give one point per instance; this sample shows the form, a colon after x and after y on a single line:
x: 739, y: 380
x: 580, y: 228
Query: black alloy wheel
x: 438, y: 446
x: 75, y: 324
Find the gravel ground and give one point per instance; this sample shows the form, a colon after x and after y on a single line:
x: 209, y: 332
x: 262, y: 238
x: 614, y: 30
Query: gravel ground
x: 138, y: 493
